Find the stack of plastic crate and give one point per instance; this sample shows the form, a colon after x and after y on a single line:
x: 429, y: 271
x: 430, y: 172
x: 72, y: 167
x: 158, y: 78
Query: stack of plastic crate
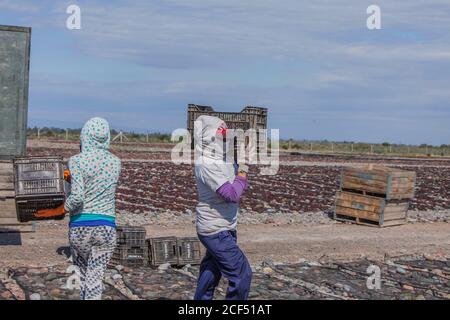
x: 131, y: 249
x: 173, y: 250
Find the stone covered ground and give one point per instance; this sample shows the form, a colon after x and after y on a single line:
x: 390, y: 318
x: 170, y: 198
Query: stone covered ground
x: 411, y: 278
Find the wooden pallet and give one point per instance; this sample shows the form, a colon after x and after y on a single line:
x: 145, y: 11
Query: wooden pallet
x: 370, y: 210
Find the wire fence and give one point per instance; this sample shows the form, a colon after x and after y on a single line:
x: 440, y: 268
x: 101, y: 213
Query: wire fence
x: 285, y: 145
x: 368, y: 148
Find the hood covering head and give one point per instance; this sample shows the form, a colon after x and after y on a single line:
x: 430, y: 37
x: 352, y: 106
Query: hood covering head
x: 95, y: 135
x: 209, y: 143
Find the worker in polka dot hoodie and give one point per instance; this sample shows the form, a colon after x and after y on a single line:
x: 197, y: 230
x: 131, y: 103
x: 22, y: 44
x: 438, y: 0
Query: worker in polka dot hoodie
x: 91, y: 203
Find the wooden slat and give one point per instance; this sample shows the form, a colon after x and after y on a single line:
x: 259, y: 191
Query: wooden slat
x: 404, y: 188
x: 402, y: 195
x: 357, y: 213
x: 12, y: 225
x: 6, y: 168
x: 365, y: 174
x: 8, y: 208
x: 7, y: 179
x: 356, y: 185
x: 407, y: 183
x: 364, y: 181
x: 9, y: 220
x: 358, y: 205
x: 6, y: 186
x: 403, y: 174
x: 7, y: 193
x: 400, y: 208
x: 360, y: 198
x: 394, y: 223
x: 394, y: 215
x: 402, y: 180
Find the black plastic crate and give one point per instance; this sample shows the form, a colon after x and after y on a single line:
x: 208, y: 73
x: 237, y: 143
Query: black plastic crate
x: 131, y: 236
x: 38, y: 177
x: 162, y: 250
x: 129, y: 257
x: 189, y: 251
x: 27, y: 208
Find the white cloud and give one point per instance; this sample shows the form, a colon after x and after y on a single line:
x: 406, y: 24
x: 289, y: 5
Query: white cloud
x: 18, y: 6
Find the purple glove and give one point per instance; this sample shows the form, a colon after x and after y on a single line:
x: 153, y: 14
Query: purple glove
x: 233, y: 192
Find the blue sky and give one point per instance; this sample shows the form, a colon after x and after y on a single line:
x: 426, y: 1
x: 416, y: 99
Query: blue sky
x: 315, y: 65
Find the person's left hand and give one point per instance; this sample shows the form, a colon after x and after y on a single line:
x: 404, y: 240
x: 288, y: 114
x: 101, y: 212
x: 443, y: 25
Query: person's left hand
x: 67, y: 176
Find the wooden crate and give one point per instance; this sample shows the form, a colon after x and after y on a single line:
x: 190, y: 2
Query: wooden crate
x: 385, y: 182
x: 370, y: 210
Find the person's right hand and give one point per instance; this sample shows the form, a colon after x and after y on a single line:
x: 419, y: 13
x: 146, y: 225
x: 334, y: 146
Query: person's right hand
x: 243, y: 170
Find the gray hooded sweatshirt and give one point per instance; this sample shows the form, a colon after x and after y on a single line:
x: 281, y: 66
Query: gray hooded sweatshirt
x: 213, y: 213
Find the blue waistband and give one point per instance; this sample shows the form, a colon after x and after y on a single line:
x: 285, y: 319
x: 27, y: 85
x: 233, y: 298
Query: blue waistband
x: 92, y: 223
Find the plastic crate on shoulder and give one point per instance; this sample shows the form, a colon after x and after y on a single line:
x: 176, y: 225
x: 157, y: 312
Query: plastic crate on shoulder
x: 162, y: 250
x: 131, y: 236
x: 189, y: 251
x: 250, y: 117
x: 129, y: 257
x: 39, y: 184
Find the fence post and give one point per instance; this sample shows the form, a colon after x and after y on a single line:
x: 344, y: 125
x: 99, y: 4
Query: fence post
x: 121, y: 136
x: 352, y: 147
x: 67, y: 134
x: 39, y: 133
x: 371, y: 148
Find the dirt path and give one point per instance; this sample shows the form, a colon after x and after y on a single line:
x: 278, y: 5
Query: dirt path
x: 289, y: 243
x: 285, y: 243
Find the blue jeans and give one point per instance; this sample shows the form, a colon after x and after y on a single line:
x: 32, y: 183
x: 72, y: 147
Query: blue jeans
x: 223, y: 257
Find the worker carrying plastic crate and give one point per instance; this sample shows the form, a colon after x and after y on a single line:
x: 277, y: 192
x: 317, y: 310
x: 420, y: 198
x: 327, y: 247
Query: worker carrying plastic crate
x: 220, y: 186
x: 94, y: 174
